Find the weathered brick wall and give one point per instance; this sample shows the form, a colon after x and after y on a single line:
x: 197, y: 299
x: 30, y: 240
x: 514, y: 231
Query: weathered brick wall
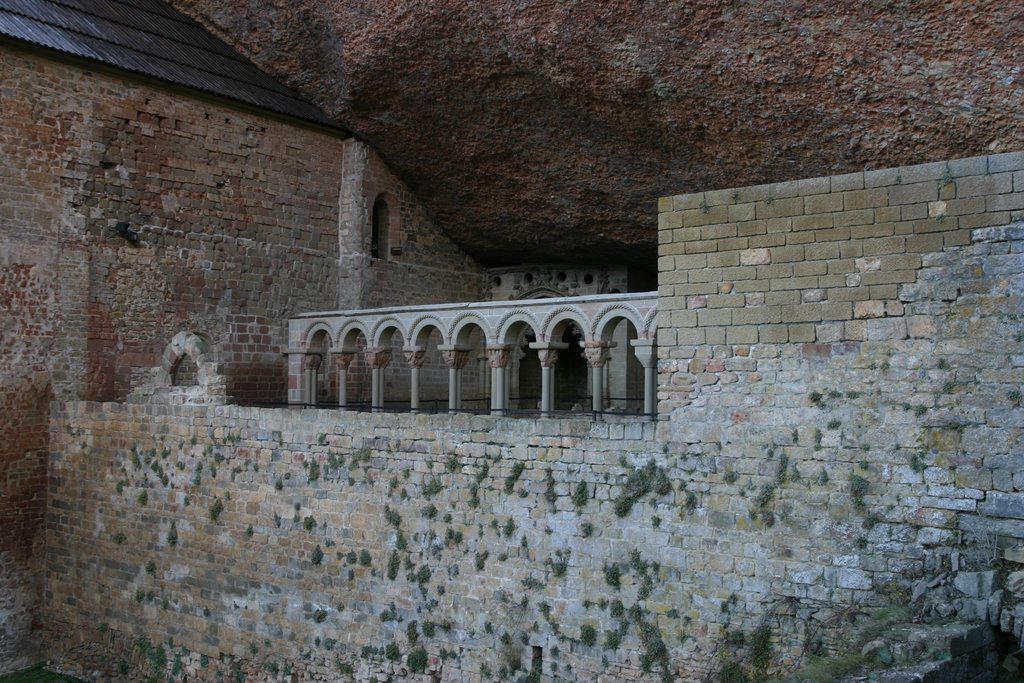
x: 238, y: 217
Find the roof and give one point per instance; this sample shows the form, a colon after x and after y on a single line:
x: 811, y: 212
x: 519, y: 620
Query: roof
x: 151, y: 38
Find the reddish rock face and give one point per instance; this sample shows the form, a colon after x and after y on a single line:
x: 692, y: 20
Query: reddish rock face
x: 546, y: 130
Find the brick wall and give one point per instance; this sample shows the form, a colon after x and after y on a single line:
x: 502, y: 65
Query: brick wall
x: 238, y: 219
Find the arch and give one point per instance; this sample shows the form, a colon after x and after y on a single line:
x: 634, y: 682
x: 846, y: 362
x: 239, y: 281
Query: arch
x: 316, y: 328
x: 380, y: 228
x: 458, y: 331
x: 382, y: 326
x: 557, y: 320
x: 349, y: 335
x: 195, y: 345
x: 607, y: 319
x: 420, y: 329
x: 198, y: 348
x: 542, y: 293
x: 650, y: 327
x: 503, y: 330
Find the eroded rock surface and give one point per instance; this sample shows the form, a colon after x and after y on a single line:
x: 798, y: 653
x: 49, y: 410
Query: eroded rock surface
x: 547, y: 130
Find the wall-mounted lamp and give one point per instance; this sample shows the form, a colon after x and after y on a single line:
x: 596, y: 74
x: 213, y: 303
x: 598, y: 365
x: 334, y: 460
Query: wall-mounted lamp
x: 125, y: 231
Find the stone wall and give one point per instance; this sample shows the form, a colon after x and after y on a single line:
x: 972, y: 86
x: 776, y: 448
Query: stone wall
x: 237, y: 216
x: 429, y: 268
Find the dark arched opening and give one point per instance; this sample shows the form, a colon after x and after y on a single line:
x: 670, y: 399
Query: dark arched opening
x: 380, y: 225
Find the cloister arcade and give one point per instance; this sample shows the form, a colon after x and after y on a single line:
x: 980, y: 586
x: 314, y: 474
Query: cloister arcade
x: 594, y: 353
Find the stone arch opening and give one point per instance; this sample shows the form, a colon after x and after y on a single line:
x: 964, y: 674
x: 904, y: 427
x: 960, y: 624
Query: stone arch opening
x: 190, y: 366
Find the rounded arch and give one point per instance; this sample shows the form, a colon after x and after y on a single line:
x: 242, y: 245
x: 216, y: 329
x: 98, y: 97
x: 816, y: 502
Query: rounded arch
x: 608, y: 318
x: 461, y: 328
x: 560, y: 318
x: 542, y: 293
x: 650, y: 328
x: 349, y: 335
x: 503, y: 333
x: 383, y: 327
x: 194, y: 345
x: 384, y: 227
x: 318, y: 327
x: 420, y: 330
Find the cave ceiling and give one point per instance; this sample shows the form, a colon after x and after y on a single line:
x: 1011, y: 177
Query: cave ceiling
x: 545, y: 131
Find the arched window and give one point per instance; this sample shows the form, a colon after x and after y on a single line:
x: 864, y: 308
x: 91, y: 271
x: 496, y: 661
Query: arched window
x: 379, y: 230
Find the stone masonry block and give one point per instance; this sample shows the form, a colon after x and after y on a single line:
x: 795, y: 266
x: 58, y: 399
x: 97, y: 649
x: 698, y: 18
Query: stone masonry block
x: 825, y: 203
x: 854, y: 217
x: 850, y: 181
x: 683, y: 202
x: 865, y: 199
x: 814, y: 186
x: 997, y: 504
x: 773, y: 334
x: 984, y: 185
x: 801, y: 334
x: 755, y: 257
x: 670, y: 220
x: 706, y: 215
x: 1010, y: 161
x: 775, y: 208
x: 740, y: 212
x: 920, y: 173
x: 914, y: 193
x: 817, y: 221
x: 881, y: 177
x: 1005, y: 202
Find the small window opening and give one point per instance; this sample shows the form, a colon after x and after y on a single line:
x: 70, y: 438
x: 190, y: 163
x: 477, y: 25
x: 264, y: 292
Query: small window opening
x: 379, y: 230
x: 537, y: 663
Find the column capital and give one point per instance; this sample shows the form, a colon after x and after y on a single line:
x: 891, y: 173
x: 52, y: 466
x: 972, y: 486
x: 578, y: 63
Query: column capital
x: 311, y: 361
x: 344, y: 358
x: 597, y: 352
x: 548, y: 352
x: 377, y: 357
x: 646, y: 351
x: 455, y: 358
x: 414, y: 356
x: 498, y: 354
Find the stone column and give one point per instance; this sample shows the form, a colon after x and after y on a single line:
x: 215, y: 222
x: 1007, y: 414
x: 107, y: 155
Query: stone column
x: 310, y: 365
x: 414, y: 356
x: 455, y: 358
x: 597, y: 354
x: 498, y: 356
x: 548, y: 354
x: 647, y: 353
x: 377, y: 358
x: 343, y: 359
x: 483, y: 379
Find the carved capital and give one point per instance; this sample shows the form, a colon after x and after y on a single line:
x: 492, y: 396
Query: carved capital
x: 377, y: 357
x: 344, y: 359
x: 311, y: 361
x: 415, y: 357
x: 455, y: 359
x: 596, y: 353
x: 498, y: 355
x: 548, y: 357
